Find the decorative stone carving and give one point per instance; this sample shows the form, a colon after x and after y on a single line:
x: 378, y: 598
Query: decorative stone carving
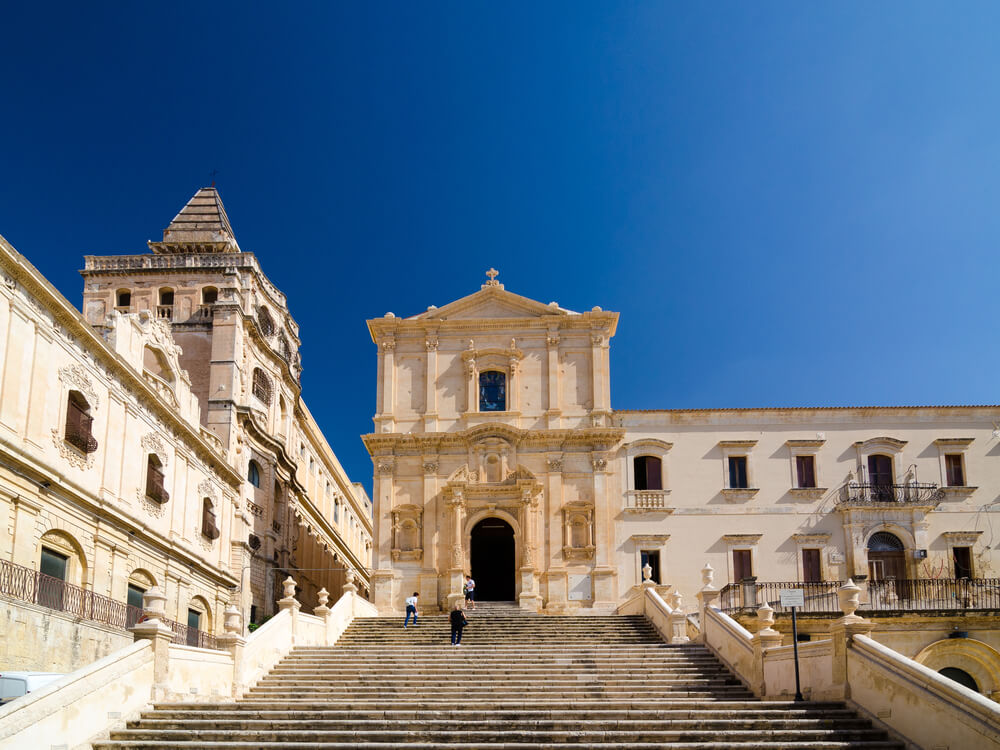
x: 388, y: 346
x: 431, y: 343
x: 430, y: 467
x: 75, y: 376
x: 578, y: 532
x: 74, y: 457
x: 407, y: 532
x: 386, y: 466
x: 554, y: 464
x: 152, y: 443
x: 600, y: 463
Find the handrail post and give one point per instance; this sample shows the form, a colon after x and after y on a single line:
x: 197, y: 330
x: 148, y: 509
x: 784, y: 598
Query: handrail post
x: 706, y: 598
x: 232, y: 640
x: 842, y: 632
x: 154, y: 629
x: 290, y: 603
x: 766, y: 637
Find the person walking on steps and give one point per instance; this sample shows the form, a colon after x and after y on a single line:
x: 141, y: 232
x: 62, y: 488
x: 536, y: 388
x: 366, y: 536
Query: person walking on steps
x: 458, y: 622
x: 411, y: 609
x: 470, y: 592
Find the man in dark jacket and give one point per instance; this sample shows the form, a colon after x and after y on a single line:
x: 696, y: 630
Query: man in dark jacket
x: 458, y: 622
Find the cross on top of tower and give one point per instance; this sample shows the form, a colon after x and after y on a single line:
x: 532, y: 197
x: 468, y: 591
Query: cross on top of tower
x: 492, y: 274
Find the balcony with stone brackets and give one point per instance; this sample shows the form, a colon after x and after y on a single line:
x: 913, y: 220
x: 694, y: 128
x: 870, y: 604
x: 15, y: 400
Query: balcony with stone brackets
x: 647, y: 501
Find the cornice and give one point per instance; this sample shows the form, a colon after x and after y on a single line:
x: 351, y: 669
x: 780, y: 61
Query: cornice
x: 405, y: 327
x: 434, y: 442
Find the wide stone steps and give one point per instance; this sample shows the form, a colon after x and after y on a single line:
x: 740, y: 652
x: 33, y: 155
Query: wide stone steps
x: 519, y: 681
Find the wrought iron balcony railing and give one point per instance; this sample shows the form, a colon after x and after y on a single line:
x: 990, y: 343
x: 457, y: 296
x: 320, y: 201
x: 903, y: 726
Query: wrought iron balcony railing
x: 34, y: 587
x: 912, y: 493
x: 904, y: 595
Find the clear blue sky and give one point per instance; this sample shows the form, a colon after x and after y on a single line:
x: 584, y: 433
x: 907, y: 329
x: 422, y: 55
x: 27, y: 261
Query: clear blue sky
x: 789, y: 203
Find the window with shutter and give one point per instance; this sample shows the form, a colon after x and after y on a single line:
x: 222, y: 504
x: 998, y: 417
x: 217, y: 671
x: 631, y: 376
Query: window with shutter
x: 954, y: 470
x: 79, y: 423
x: 208, y: 527
x: 738, y: 473
x: 810, y: 565
x: 742, y: 564
x: 155, y: 480
x: 805, y: 467
x: 648, y: 473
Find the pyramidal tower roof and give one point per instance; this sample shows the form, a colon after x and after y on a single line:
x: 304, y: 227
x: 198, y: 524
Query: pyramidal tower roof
x: 201, y: 227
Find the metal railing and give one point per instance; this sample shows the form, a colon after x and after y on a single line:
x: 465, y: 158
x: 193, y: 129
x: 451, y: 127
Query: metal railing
x: 820, y: 596
x: 29, y: 585
x: 912, y: 493
x: 903, y: 595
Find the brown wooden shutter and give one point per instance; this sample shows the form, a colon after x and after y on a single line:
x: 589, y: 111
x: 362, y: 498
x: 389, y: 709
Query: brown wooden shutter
x: 810, y: 565
x: 742, y: 565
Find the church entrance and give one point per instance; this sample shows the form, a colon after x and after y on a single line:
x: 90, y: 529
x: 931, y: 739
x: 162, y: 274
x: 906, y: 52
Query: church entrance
x: 491, y: 552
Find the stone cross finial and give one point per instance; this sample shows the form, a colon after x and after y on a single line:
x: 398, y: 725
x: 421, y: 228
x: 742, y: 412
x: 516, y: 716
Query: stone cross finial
x: 492, y: 273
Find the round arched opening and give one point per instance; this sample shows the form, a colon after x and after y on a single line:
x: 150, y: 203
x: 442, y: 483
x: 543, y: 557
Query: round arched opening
x: 491, y: 553
x: 960, y: 676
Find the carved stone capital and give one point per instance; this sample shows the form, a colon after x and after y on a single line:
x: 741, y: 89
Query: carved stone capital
x: 386, y: 466
x: 430, y: 467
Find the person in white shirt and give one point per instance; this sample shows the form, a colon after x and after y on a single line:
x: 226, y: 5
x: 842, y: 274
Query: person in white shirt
x: 470, y: 592
x: 411, y: 609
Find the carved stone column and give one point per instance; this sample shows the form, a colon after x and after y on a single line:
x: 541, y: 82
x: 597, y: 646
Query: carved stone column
x: 604, y: 573
x: 430, y: 376
x: 529, y: 598
x: 388, y: 384
x: 456, y: 570
x: 554, y: 411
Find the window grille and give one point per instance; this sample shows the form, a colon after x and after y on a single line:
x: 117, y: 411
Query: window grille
x: 261, y: 386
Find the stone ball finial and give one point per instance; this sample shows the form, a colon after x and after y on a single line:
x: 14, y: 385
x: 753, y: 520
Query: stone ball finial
x: 849, y: 596
x: 289, y: 587
x: 390, y: 315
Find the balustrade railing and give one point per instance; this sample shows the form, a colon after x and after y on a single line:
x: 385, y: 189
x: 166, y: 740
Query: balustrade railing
x: 651, y: 500
x: 924, y: 594
x: 34, y: 587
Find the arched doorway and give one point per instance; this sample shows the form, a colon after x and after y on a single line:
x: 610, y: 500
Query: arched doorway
x: 960, y: 676
x: 491, y: 554
x: 887, y: 565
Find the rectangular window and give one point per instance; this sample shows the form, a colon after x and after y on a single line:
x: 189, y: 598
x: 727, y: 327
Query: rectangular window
x: 962, y: 557
x: 651, y: 557
x: 810, y: 565
x: 738, y: 473
x: 194, y: 620
x: 742, y: 565
x: 805, y: 469
x: 648, y: 473
x: 954, y: 470
x: 134, y: 601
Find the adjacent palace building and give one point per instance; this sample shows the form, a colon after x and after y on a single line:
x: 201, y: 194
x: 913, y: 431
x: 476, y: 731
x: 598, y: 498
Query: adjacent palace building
x: 497, y: 452
x: 160, y: 439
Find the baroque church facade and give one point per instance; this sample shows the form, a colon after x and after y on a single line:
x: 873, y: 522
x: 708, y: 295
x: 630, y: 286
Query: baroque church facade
x: 160, y: 439
x: 497, y: 452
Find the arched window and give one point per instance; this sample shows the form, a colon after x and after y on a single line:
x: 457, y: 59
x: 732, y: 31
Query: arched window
x: 265, y: 321
x: 492, y: 391
x: 79, y: 423
x: 960, y: 676
x: 209, y: 295
x: 261, y: 385
x: 648, y: 473
x: 166, y: 296
x: 883, y: 541
x: 253, y: 474
x: 155, y: 479
x: 123, y: 298
x: 208, y: 526
x: 284, y: 348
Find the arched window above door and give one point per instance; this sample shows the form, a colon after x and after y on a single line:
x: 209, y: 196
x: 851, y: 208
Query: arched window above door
x: 883, y: 541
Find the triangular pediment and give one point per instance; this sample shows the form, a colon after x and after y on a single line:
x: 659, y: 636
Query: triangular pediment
x: 491, y: 302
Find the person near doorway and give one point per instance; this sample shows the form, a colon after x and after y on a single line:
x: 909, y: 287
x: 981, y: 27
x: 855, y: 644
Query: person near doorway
x: 458, y: 622
x: 470, y: 592
x: 411, y: 609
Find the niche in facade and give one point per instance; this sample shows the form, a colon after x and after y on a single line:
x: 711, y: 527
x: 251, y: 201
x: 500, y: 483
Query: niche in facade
x: 407, y: 527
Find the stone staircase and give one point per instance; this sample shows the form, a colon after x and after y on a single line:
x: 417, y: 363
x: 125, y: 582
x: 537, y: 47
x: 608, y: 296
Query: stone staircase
x: 517, y: 681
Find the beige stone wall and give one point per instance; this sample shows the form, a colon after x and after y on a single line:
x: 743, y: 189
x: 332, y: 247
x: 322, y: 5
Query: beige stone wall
x: 31, y: 631
x: 775, y: 521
